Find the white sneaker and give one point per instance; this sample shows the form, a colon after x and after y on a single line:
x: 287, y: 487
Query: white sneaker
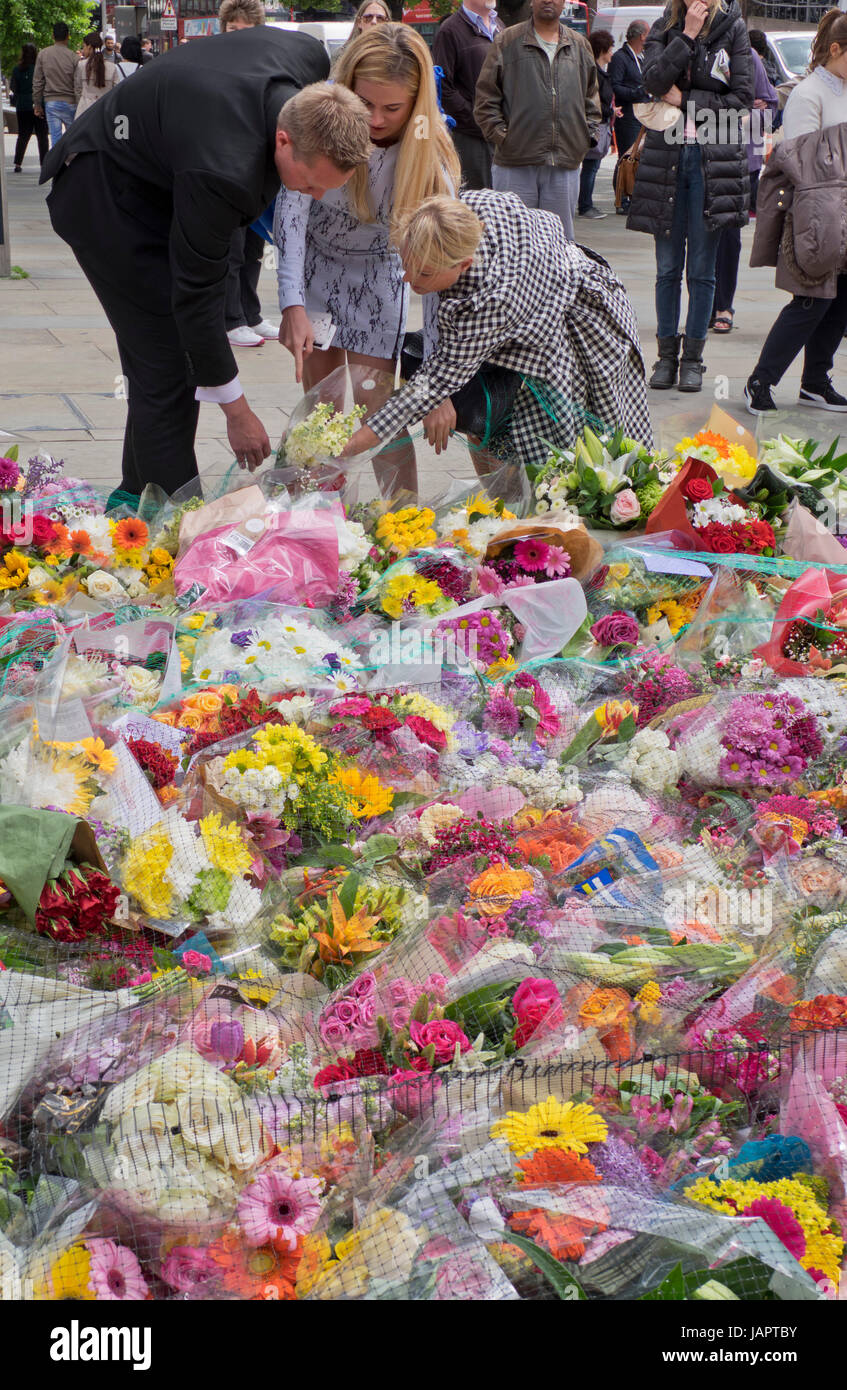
x: 265, y: 329
x: 244, y: 337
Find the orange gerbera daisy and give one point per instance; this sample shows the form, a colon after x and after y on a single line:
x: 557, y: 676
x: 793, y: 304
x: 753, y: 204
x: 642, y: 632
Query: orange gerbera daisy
x: 129, y: 534
x: 550, y: 1166
x: 81, y: 543
x: 255, y: 1274
x: 563, y: 1236
x: 61, y: 539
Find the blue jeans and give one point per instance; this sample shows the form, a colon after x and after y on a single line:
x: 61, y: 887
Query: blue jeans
x: 688, y: 227
x: 587, y: 178
x: 60, y: 116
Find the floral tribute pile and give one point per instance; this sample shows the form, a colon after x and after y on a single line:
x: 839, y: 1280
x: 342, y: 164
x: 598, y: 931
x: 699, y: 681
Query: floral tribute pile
x: 460, y: 914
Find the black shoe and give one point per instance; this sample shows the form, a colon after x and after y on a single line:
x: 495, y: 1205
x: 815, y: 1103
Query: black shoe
x: 825, y: 397
x: 622, y: 212
x: 18, y: 169
x: 691, y: 366
x: 664, y: 371
x: 758, y: 396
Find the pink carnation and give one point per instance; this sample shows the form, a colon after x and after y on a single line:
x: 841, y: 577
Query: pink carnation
x: 782, y: 1222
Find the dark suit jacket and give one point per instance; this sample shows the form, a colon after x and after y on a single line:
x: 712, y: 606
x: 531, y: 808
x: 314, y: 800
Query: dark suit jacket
x: 200, y: 124
x: 460, y: 50
x: 626, y: 80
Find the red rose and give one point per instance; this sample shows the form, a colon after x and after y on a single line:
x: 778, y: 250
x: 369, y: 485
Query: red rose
x: 427, y: 733
x: 697, y: 490
x: 337, y: 1071
x: 369, y: 1062
x: 717, y: 538
x: 43, y: 532
x: 53, y: 901
x: 536, y: 1002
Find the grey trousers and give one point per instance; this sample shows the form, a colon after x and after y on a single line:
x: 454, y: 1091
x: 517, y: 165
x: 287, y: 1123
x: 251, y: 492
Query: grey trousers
x: 541, y: 186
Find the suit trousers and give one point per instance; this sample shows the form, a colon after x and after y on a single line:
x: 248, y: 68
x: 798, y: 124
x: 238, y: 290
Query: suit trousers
x: 475, y: 157
x: 242, y: 286
x: 118, y: 228
x: 626, y: 134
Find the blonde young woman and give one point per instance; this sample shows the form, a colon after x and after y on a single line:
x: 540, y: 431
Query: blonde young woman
x: 335, y: 257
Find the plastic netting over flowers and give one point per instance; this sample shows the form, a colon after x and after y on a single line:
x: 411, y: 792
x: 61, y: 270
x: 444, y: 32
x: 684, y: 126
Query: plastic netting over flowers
x: 406, y: 898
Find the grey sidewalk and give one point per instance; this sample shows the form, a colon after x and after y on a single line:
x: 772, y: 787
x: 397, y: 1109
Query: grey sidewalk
x: 59, y: 369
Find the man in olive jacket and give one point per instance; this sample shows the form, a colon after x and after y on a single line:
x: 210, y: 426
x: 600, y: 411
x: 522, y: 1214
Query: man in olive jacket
x: 537, y: 103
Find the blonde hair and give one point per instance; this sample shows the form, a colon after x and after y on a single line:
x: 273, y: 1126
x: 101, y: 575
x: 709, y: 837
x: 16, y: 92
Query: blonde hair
x: 678, y: 8
x: 439, y: 234
x: 832, y: 29
x: 365, y: 5
x: 427, y: 162
x: 325, y: 119
x: 251, y: 11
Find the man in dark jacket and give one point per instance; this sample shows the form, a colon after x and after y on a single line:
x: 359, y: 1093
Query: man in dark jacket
x: 460, y: 49
x: 692, y: 178
x: 625, y: 72
x: 148, y: 190
x: 537, y: 103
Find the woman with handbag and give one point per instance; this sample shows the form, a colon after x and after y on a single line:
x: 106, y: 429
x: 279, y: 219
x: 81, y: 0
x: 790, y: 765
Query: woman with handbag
x: 602, y: 46
x: 335, y: 258
x: 800, y: 229
x: 514, y: 292
x: 692, y: 175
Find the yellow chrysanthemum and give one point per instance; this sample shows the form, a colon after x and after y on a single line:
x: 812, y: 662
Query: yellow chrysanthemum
x: 409, y: 529
x: 69, y: 1277
x: 551, y: 1125
x: 413, y: 703
x: 98, y: 754
x: 408, y: 590
x: 824, y: 1248
x: 366, y: 795
x: 315, y: 1262
x: 224, y: 845
x: 647, y: 998
x: 254, y: 988
x: 144, y: 872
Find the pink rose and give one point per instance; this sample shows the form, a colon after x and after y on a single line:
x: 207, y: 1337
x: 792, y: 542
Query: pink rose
x: 626, y: 507
x: 195, y: 960
x: 189, y: 1269
x: 409, y: 1091
x: 443, y: 1035
x: 536, y: 1002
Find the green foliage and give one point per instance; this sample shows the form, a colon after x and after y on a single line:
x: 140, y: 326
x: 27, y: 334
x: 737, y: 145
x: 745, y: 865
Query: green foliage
x: 31, y: 21
x: 17, y: 272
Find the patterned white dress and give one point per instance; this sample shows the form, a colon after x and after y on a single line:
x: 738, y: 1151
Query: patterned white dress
x: 535, y: 302
x: 332, y: 263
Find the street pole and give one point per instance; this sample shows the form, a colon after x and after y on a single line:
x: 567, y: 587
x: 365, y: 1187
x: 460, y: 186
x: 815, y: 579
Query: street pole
x: 5, y: 248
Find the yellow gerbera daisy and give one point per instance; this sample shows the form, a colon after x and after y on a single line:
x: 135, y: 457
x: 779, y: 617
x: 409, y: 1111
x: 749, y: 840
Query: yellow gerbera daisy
x: 551, y: 1125
x: 366, y: 795
x: 69, y: 1276
x: 98, y: 754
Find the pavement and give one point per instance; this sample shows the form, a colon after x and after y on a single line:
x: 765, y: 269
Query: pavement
x: 60, y: 379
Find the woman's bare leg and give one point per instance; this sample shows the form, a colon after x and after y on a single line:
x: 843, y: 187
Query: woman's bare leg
x: 318, y: 365
x: 395, y: 466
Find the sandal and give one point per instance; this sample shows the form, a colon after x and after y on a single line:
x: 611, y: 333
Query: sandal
x: 723, y: 320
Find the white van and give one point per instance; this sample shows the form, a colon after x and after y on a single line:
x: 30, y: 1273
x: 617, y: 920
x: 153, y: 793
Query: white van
x: 617, y: 18
x: 333, y: 35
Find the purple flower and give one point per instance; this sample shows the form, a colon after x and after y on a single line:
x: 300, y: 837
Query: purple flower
x: 620, y: 1165
x: 332, y: 661
x: 501, y: 716
x: 226, y: 1038
x: 40, y: 473
x: 242, y: 639
x: 616, y: 629
x: 9, y: 473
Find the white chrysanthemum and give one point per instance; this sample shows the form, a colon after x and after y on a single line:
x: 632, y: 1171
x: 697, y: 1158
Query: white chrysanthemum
x: 650, y: 761
x: 614, y: 804
x: 245, y: 903
x: 83, y: 675
x: 700, y: 753
x: 189, y: 856
x: 353, y: 542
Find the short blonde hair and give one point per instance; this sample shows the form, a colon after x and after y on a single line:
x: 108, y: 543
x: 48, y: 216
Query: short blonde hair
x: 327, y: 119
x: 439, y: 234
x: 250, y: 11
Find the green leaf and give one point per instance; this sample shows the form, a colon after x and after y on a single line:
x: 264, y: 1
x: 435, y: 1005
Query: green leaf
x: 379, y: 847
x: 320, y: 858
x: 347, y: 894
x: 565, y: 1284
x: 626, y: 729
x: 672, y: 1288
x: 12, y: 453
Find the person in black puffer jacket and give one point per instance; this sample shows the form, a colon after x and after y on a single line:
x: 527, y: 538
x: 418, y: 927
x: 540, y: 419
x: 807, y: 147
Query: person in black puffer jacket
x: 692, y: 179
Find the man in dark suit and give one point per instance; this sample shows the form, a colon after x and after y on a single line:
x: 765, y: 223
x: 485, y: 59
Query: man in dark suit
x: 460, y: 48
x: 148, y: 190
x: 625, y: 72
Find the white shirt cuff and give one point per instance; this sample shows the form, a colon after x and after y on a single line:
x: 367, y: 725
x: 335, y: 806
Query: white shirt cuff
x: 221, y: 395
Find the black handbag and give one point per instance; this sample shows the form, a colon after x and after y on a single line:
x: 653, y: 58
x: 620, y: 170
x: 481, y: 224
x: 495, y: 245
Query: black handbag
x: 484, y: 404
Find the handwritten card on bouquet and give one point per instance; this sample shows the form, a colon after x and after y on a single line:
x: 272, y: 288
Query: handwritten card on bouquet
x: 134, y: 724
x: 134, y: 804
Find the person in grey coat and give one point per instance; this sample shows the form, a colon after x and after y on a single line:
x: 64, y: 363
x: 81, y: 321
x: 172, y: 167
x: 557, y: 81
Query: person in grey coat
x: 692, y: 177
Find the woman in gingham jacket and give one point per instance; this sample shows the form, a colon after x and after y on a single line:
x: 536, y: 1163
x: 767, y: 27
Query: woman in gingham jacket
x: 515, y: 292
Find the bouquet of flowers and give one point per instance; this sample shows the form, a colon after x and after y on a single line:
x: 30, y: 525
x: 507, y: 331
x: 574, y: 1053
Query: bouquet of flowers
x: 611, y: 481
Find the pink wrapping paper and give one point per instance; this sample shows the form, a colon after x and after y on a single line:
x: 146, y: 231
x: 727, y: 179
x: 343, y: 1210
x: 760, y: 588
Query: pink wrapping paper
x: 294, y: 561
x: 813, y: 590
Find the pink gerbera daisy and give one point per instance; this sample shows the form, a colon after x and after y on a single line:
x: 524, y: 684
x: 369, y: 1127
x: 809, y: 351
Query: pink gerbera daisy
x: 558, y: 562
x: 782, y: 1222
x: 532, y: 555
x: 276, y: 1209
x: 115, y: 1272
